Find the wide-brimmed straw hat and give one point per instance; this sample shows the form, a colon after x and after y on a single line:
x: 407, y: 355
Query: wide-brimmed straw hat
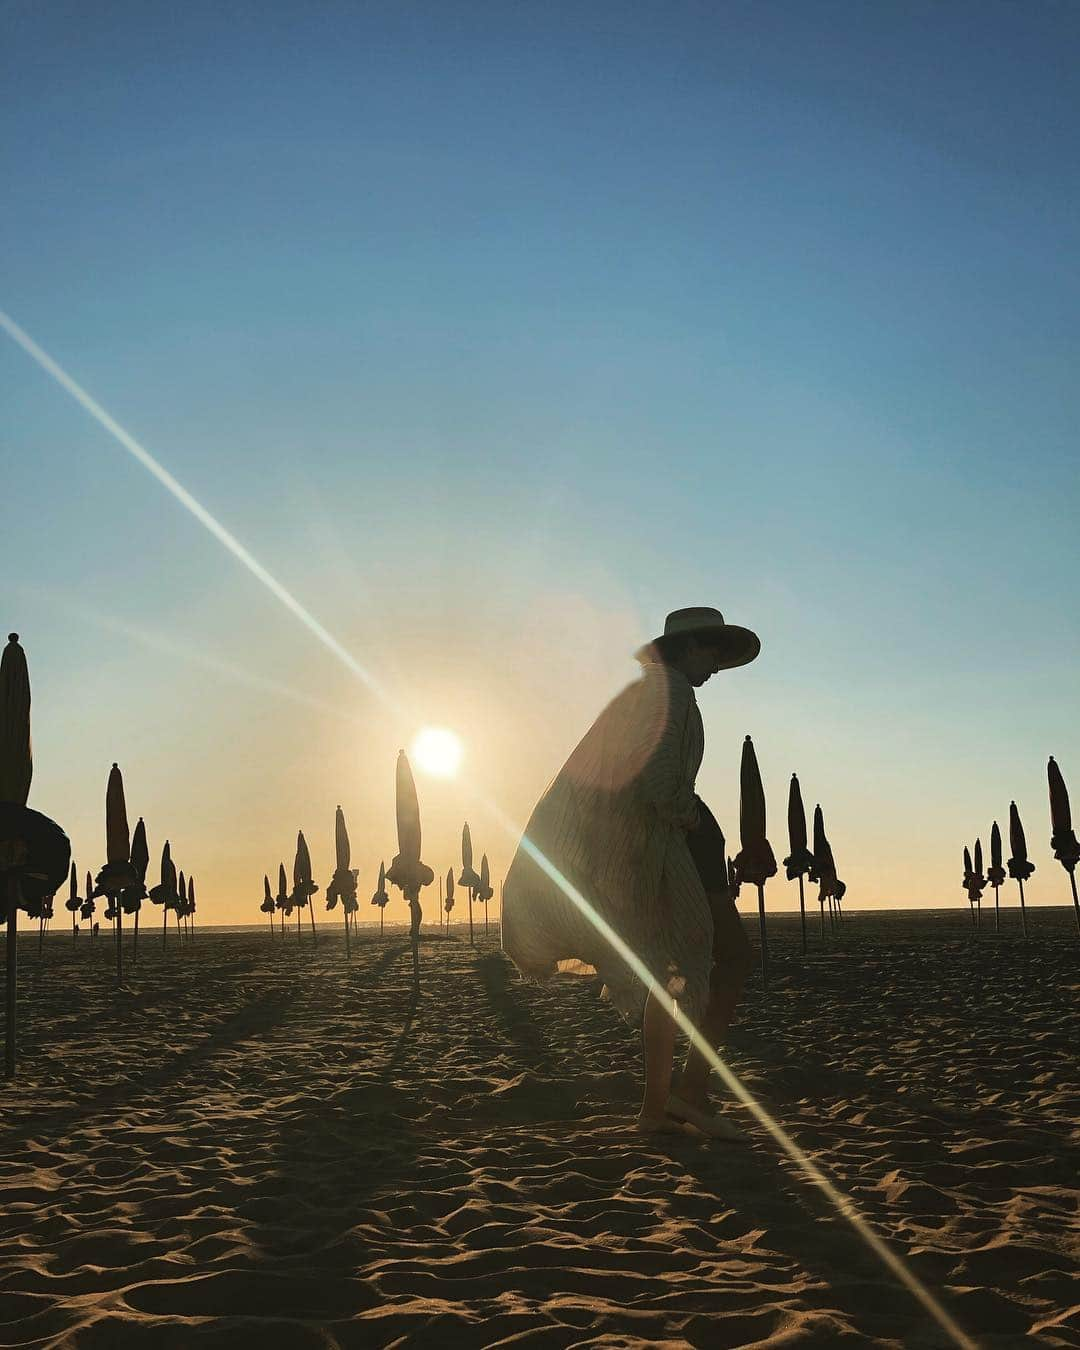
x: 737, y: 646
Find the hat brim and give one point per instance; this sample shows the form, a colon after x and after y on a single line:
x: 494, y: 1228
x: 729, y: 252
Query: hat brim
x: 738, y: 646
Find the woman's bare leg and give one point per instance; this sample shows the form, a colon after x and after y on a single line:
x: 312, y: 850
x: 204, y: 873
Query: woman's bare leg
x: 658, y: 1033
x: 732, y: 962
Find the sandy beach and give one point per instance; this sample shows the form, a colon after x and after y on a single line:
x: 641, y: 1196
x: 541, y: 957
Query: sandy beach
x: 256, y: 1144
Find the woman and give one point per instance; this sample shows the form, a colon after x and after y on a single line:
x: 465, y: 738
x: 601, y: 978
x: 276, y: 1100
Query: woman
x: 614, y: 826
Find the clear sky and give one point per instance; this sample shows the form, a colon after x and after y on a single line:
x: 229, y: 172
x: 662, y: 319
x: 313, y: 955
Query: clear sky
x: 495, y: 331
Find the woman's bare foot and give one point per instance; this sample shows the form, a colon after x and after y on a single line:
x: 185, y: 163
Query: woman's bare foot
x: 715, y: 1126
x: 660, y: 1125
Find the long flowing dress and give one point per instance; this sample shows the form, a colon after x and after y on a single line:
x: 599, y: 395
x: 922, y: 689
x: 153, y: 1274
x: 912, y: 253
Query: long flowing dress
x: 613, y: 824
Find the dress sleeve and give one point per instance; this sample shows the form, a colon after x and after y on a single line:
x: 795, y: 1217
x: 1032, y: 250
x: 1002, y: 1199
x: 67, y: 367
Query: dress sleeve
x: 663, y: 782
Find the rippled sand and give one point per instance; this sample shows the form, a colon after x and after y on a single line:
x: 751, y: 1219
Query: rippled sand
x: 254, y: 1145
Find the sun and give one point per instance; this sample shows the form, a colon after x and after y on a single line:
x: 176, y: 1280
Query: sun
x: 437, y: 751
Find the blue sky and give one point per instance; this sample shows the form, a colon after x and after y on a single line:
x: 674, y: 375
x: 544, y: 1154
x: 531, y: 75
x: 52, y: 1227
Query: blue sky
x: 496, y: 331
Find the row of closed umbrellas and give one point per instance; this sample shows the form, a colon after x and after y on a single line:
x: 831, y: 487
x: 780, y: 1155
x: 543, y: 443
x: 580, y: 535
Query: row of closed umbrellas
x: 1063, y: 841
x: 406, y: 871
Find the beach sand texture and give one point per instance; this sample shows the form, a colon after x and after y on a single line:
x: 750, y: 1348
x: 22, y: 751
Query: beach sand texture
x: 255, y: 1146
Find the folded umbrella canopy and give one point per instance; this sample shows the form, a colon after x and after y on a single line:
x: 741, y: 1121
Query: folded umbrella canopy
x: 995, y: 873
x: 484, y: 891
x: 468, y: 878
x: 117, y: 875
x: 406, y: 871
x: 755, y: 861
x: 283, y: 901
x: 1020, y: 869
x: 448, y: 903
x: 799, y: 860
x: 303, y: 885
x: 381, y: 896
x: 131, y: 899
x: 34, y: 851
x: 824, y: 869
x: 343, y: 883
x: 1062, y: 836
x: 267, y: 906
x: 165, y: 892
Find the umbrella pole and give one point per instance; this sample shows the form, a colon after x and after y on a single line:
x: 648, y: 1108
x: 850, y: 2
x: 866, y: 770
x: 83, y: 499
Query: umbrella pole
x: 1023, y: 911
x: 381, y: 917
x: 14, y: 897
x: 1076, y: 902
x: 997, y: 911
x: 41, y: 933
x: 164, y: 925
x: 802, y: 914
x: 311, y: 911
x: 348, y: 949
x: 74, y: 931
x: 764, y: 935
x: 470, y: 916
x: 135, y: 948
x: 119, y: 942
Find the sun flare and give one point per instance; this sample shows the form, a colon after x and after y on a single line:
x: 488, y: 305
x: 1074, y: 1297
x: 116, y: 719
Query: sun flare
x: 437, y: 751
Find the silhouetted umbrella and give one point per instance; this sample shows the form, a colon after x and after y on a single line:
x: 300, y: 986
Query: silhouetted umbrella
x: 181, y: 902
x: 1020, y: 869
x: 343, y: 883
x: 1062, y: 837
x: 755, y: 861
x: 73, y: 903
x: 381, y: 896
x: 117, y: 875
x: 267, y: 906
x: 190, y: 910
x: 407, y: 872
x: 824, y: 869
x: 979, y: 880
x: 800, y: 860
x: 995, y: 872
x: 34, y: 851
x: 165, y: 892
x: 468, y: 877
x: 971, y: 883
x: 303, y: 885
x: 283, y: 900
x: 132, y: 899
x: 448, y: 903
x: 88, y: 905
x: 484, y: 891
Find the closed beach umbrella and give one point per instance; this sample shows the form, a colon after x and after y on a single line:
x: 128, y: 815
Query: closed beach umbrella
x: 484, y: 891
x: 1020, y: 869
x: 381, y: 896
x: 799, y: 860
x: 117, y: 875
x: 16, y: 758
x: 140, y: 860
x: 407, y: 871
x: 755, y: 861
x: 282, y: 900
x: 978, y: 880
x: 343, y: 883
x: 267, y: 906
x: 995, y: 873
x: 448, y: 903
x: 73, y: 902
x: 164, y: 893
x: 191, y: 907
x: 1062, y: 836
x: 304, y: 886
x: 824, y: 869
x: 88, y: 905
x: 468, y: 877
x: 181, y: 901
x: 34, y: 851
